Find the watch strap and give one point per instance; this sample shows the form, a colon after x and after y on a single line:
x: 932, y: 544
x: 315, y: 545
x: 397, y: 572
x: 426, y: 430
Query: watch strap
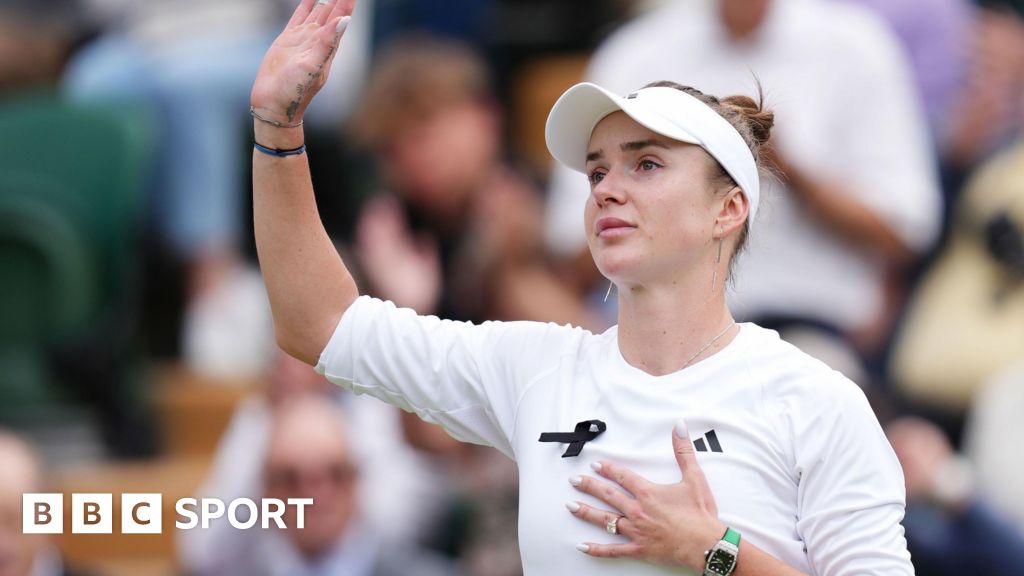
x: 732, y: 537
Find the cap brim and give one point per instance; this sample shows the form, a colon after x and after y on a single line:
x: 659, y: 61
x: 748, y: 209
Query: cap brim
x: 578, y: 111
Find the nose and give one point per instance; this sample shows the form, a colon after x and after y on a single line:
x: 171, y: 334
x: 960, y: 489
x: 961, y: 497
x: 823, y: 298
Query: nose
x: 610, y: 190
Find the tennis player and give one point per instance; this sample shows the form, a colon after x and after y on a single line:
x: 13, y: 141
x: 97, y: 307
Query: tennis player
x: 776, y: 465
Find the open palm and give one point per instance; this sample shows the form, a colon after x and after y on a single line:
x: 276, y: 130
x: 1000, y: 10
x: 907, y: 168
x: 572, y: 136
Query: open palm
x: 297, y: 64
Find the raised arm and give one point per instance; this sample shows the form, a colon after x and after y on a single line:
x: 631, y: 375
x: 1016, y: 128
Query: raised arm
x: 308, y: 284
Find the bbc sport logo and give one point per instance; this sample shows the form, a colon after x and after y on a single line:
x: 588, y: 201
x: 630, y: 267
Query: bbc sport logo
x: 143, y: 513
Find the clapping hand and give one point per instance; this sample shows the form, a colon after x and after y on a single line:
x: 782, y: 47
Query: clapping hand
x: 401, y: 267
x: 671, y: 525
x: 297, y: 64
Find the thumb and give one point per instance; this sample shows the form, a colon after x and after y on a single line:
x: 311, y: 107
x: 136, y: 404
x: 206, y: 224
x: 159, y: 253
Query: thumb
x: 693, y: 475
x: 683, y: 448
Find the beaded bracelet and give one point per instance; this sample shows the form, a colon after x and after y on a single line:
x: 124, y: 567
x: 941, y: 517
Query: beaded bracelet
x: 279, y: 153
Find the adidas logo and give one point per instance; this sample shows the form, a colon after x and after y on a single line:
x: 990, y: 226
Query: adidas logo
x: 712, y: 441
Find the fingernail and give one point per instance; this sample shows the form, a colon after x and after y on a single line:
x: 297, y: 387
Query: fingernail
x: 343, y: 24
x: 576, y: 480
x: 596, y: 466
x: 583, y: 547
x: 573, y: 507
x: 681, y: 430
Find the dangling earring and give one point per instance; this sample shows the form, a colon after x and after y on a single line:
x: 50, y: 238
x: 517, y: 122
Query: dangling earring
x: 718, y: 259
x: 609, y: 292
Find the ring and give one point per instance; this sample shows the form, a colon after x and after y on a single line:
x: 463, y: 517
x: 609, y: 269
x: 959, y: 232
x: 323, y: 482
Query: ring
x: 613, y: 525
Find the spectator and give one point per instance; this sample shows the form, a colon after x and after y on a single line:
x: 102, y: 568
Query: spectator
x: 22, y: 554
x: 35, y: 39
x: 402, y: 492
x: 309, y: 456
x: 965, y: 323
x: 995, y: 417
x: 951, y: 530
x: 859, y: 193
x: 455, y: 234
x: 935, y: 35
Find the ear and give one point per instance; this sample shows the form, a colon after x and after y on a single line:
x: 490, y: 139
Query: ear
x: 733, y: 214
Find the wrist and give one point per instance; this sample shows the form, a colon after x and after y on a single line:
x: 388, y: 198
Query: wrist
x: 693, y: 556
x: 274, y: 137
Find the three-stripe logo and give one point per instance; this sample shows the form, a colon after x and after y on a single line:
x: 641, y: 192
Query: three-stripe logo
x: 712, y: 441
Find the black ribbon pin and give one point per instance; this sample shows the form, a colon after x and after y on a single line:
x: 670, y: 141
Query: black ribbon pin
x: 577, y: 438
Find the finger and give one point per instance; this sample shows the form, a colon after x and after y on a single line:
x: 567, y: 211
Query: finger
x: 630, y: 550
x: 693, y: 474
x: 342, y: 8
x: 325, y: 45
x: 330, y: 35
x: 301, y: 13
x: 603, y: 491
x: 321, y: 10
x: 631, y: 481
x: 598, y: 517
x: 328, y: 12
x: 683, y: 448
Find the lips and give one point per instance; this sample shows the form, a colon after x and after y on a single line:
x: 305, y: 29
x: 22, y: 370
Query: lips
x: 609, y: 226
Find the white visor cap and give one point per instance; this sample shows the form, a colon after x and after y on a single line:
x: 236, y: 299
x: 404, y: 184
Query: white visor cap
x: 667, y: 111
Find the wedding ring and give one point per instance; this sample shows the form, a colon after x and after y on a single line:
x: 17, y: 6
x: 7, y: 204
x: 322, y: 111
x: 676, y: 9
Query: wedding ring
x: 613, y: 525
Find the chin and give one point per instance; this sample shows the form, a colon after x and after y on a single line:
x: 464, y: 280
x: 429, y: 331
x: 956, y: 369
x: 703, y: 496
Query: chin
x: 616, y: 266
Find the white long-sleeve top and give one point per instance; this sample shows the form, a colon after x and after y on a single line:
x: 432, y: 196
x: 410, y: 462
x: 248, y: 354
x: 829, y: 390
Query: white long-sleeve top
x: 803, y: 472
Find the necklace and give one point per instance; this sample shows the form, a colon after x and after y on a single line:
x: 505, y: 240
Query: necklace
x: 709, y: 344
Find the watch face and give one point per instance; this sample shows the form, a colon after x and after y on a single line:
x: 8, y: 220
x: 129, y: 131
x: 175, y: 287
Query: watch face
x: 721, y: 562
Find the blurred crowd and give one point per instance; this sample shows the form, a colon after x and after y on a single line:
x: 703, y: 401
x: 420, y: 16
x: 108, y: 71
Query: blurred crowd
x: 891, y: 246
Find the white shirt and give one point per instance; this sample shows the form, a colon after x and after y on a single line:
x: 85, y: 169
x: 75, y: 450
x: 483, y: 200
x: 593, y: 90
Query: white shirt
x: 804, y: 462
x: 845, y: 111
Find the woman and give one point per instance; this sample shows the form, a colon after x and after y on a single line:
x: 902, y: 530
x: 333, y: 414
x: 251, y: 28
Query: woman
x: 791, y: 472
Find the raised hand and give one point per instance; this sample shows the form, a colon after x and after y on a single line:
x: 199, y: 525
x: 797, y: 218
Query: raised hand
x: 401, y: 267
x: 297, y: 64
x: 670, y: 524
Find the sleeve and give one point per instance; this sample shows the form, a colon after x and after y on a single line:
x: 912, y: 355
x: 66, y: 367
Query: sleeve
x: 467, y: 378
x: 851, y: 495
x: 882, y: 133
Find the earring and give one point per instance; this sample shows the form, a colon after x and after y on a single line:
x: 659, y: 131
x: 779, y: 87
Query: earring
x: 718, y: 259
x: 609, y: 292
x: 721, y: 240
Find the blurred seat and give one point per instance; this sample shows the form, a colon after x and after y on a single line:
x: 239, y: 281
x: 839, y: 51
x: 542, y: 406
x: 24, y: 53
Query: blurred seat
x: 535, y: 88
x: 119, y: 554
x: 100, y: 154
x: 49, y: 287
x: 73, y: 180
x: 194, y: 410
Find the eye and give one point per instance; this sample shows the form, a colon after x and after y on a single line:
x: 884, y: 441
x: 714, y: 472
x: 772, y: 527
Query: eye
x: 647, y: 165
x: 595, y: 177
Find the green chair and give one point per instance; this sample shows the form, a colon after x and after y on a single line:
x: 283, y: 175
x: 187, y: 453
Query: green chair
x: 49, y: 289
x: 73, y: 178
x: 101, y: 155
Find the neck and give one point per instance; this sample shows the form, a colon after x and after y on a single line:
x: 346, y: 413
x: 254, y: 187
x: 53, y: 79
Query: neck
x: 664, y: 328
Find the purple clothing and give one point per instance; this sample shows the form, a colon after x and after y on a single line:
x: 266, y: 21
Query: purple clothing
x: 935, y: 35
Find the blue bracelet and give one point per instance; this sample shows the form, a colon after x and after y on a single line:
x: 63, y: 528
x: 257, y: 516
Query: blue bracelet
x: 278, y: 153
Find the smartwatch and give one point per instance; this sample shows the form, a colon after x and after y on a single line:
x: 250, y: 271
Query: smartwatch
x: 721, y: 559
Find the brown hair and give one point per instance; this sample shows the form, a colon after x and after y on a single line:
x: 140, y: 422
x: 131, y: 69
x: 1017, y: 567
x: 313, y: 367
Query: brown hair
x: 750, y: 118
x: 414, y: 77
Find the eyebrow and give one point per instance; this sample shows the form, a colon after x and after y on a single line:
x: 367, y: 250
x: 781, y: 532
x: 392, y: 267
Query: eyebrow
x: 630, y: 147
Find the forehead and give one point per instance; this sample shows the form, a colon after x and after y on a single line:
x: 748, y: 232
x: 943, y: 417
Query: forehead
x: 618, y: 128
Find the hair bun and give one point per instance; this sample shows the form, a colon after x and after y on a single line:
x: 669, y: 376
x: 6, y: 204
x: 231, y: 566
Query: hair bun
x: 759, y: 120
